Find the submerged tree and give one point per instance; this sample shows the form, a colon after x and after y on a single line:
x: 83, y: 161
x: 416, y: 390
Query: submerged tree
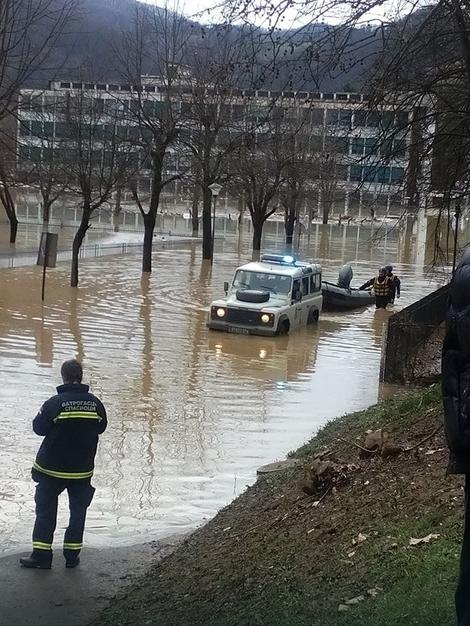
x: 98, y: 158
x: 153, y: 110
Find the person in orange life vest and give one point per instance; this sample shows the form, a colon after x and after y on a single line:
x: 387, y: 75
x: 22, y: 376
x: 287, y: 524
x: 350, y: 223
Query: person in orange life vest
x: 70, y: 423
x: 382, y: 286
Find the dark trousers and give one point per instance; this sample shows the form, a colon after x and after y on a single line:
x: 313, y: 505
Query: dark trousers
x: 80, y: 493
x: 462, y: 596
x: 381, y: 302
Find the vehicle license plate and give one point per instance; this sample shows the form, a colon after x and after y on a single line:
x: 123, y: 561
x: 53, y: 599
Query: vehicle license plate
x: 238, y: 331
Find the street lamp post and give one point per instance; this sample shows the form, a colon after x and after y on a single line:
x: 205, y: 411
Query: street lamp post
x: 215, y: 191
x: 456, y: 234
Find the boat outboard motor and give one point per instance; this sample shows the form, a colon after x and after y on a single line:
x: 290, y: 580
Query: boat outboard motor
x: 345, y: 275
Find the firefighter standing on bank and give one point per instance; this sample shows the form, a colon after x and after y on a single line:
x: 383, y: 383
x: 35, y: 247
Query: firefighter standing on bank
x: 70, y: 423
x: 382, y: 285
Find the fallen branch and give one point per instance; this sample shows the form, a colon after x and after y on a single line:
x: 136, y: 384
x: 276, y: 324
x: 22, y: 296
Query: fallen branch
x: 420, y: 443
x: 353, y: 443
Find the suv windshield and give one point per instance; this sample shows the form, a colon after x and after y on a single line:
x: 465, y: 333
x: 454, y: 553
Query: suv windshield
x: 274, y: 283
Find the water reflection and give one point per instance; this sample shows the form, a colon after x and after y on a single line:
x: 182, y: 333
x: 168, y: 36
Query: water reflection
x: 192, y: 413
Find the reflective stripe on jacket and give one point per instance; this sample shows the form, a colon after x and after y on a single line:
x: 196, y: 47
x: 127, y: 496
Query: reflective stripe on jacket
x: 70, y: 422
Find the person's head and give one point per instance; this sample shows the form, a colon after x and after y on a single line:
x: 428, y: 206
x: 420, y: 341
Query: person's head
x: 382, y: 272
x: 389, y: 270
x: 71, y: 372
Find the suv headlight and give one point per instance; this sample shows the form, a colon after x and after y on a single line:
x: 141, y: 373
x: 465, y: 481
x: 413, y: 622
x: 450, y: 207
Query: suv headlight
x: 267, y: 318
x: 221, y: 312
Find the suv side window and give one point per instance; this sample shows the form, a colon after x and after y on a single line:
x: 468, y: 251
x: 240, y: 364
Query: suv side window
x: 315, y: 283
x: 305, y: 281
x: 296, y: 289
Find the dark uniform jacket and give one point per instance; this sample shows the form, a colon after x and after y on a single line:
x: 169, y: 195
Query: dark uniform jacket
x: 70, y: 423
x: 456, y: 370
x: 395, y: 286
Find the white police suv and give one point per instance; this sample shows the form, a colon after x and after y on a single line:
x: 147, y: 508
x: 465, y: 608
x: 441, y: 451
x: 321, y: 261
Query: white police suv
x: 272, y: 297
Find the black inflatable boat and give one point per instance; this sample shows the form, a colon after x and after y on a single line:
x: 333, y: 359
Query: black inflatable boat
x: 335, y: 297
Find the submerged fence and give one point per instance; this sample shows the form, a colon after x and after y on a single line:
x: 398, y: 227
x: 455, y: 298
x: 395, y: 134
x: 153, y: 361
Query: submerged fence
x: 28, y: 257
x: 408, y: 333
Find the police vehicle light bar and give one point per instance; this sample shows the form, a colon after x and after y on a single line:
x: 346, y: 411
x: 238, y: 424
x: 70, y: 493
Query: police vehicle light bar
x: 282, y: 259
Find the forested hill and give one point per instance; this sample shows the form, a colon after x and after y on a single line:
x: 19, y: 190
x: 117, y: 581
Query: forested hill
x: 88, y: 51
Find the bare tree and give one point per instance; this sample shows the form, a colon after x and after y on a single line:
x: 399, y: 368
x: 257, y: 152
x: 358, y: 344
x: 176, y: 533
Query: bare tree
x: 157, y: 40
x: 28, y: 34
x: 214, y: 114
x: 98, y: 157
x: 263, y: 160
x: 40, y: 161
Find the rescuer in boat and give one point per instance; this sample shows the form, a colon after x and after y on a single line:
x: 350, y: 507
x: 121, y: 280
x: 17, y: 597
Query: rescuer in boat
x: 70, y: 423
x: 382, y: 286
x: 395, y: 284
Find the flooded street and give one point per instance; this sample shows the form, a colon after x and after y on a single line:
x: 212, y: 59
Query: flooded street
x: 192, y: 413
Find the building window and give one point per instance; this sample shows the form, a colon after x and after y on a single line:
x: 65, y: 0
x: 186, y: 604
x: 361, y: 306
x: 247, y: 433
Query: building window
x: 356, y: 173
x: 36, y: 128
x: 402, y: 119
x: 369, y: 173
x: 342, y: 145
x: 399, y: 147
x: 332, y: 117
x: 373, y: 119
x: 398, y: 174
x: 383, y: 175
x: 318, y: 116
x: 357, y: 146
x: 61, y: 129
x: 25, y: 127
x: 35, y: 154
x: 65, y: 85
x: 49, y: 129
x: 372, y: 146
x: 341, y: 172
x: 316, y: 143
x: 77, y: 85
x: 24, y: 153
x: 388, y: 119
x: 345, y: 117
x: 360, y: 118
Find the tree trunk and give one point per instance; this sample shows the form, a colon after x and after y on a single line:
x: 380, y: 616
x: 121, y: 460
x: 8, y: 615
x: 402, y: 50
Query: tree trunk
x: 149, y: 226
x: 326, y: 212
x: 13, y: 227
x: 46, y: 215
x: 257, y: 235
x: 289, y: 226
x: 195, y: 211
x: 77, y: 244
x: 9, y: 206
x: 117, y: 209
x: 206, y: 224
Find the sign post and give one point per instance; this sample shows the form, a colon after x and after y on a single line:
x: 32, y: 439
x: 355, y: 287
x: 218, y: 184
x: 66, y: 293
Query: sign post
x: 47, y: 255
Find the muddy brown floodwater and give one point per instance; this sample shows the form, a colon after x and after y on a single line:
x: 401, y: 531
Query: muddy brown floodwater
x: 192, y: 413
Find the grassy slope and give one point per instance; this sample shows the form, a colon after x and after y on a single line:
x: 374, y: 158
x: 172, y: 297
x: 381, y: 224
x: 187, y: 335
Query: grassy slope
x: 271, y: 557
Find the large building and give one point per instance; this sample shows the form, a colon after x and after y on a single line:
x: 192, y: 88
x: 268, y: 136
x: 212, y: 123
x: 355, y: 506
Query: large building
x: 372, y: 150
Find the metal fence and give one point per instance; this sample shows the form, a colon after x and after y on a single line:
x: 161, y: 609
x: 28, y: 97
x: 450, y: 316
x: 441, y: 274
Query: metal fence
x: 29, y: 256
x: 408, y: 333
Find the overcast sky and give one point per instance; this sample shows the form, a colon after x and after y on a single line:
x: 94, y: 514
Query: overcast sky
x: 204, y: 11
